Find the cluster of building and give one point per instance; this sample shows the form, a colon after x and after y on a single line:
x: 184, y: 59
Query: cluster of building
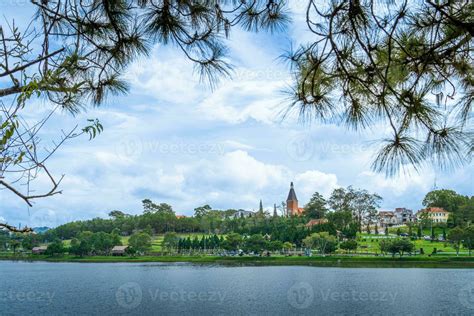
x: 292, y: 208
x: 400, y: 216
x: 403, y: 216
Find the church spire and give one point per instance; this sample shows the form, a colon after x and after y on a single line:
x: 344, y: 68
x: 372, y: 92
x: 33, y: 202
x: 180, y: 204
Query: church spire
x: 292, y: 194
x: 292, y: 202
x: 275, y: 214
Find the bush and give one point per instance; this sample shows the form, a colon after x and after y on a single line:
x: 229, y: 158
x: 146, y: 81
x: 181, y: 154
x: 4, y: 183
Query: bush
x: 323, y: 241
x: 395, y: 246
x: 55, y: 248
x: 348, y: 245
x: 139, y: 242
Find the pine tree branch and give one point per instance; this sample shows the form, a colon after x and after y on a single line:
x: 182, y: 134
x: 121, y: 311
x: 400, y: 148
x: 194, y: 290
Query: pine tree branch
x: 13, y: 229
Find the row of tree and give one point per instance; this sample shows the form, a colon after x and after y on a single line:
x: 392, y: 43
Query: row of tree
x: 89, y: 243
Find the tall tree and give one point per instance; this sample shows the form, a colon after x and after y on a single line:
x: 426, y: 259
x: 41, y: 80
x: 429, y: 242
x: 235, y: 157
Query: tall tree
x: 340, y: 200
x: 117, y: 214
x: 455, y: 237
x: 469, y: 238
x: 232, y: 241
x: 139, y: 242
x: 202, y: 211
x: 170, y: 241
x: 446, y: 199
x: 361, y: 203
x: 324, y: 242
x: 316, y: 207
x: 162, y: 208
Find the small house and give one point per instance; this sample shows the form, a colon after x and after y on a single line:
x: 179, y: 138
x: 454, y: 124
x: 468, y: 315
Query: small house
x: 436, y: 214
x: 315, y: 222
x: 39, y: 250
x: 404, y: 216
x: 387, y: 219
x: 119, y: 250
x: 243, y: 214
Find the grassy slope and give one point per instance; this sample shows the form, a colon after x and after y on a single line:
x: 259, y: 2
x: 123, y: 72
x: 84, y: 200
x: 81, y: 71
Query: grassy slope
x: 370, y: 243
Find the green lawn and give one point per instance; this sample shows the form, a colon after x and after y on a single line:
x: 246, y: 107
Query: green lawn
x: 370, y: 243
x: 425, y: 232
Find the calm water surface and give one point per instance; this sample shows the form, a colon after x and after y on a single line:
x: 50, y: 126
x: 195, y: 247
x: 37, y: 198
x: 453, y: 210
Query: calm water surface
x: 42, y: 288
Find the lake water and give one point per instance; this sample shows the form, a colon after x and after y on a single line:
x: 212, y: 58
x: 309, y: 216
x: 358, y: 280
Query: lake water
x: 185, y: 289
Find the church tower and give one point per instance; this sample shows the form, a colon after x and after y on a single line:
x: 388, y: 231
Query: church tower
x: 292, y: 202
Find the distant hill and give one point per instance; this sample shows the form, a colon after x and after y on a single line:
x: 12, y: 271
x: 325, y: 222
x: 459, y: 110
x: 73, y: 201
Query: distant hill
x: 40, y: 230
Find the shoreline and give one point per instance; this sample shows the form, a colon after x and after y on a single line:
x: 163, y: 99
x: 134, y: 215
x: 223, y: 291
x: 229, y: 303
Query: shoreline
x: 329, y: 261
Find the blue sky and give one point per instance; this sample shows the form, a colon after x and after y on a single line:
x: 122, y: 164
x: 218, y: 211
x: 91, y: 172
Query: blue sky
x: 173, y: 140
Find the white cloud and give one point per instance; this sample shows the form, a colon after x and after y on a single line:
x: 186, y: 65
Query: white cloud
x: 166, y: 76
x: 311, y: 181
x: 238, y: 101
x: 233, y: 144
x: 397, y: 186
x: 236, y: 170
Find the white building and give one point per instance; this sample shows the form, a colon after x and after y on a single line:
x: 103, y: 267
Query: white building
x: 387, y: 218
x: 404, y: 216
x: 243, y: 214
